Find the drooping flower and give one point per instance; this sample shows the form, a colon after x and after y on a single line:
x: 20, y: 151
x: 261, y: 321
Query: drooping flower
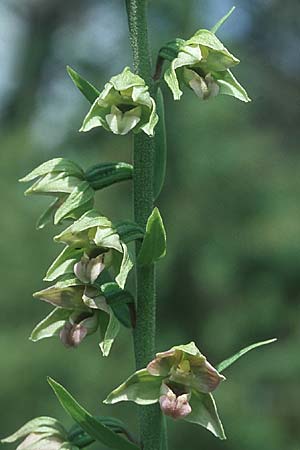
x: 124, y: 105
x: 181, y: 380
x: 203, y: 64
x: 64, y: 180
x: 41, y: 433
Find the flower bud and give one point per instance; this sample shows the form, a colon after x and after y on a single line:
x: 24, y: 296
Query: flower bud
x: 175, y: 406
x: 49, y: 443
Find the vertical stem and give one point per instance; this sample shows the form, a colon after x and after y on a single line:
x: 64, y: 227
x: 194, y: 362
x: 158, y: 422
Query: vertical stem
x: 144, y: 337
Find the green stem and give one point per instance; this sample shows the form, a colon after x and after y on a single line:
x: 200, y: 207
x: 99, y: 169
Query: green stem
x: 150, y: 417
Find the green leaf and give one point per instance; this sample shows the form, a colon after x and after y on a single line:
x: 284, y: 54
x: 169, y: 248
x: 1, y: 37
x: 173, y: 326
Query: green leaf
x: 141, y: 388
x: 109, y: 335
x: 160, y: 158
x: 230, y: 86
x: 204, y: 413
x: 64, y: 263
x: 86, y: 88
x: 38, y: 425
x: 227, y: 362
x: 103, y: 175
x: 55, y: 165
x: 81, y: 196
x: 216, y: 27
x: 51, y: 325
x: 87, y: 422
x: 80, y: 438
x: 154, y: 244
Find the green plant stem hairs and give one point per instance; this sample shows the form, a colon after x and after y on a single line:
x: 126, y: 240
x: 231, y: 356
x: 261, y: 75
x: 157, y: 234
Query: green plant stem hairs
x: 144, y: 339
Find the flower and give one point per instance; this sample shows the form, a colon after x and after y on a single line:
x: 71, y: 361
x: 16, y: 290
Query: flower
x: 124, y: 105
x: 181, y: 381
x: 64, y: 180
x: 203, y: 64
x: 80, y: 310
x: 44, y: 433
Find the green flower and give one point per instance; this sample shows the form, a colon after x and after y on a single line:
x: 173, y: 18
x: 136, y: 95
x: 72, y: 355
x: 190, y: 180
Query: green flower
x: 203, y: 64
x: 181, y: 380
x: 42, y: 433
x: 124, y: 105
x: 64, y: 180
x: 80, y: 310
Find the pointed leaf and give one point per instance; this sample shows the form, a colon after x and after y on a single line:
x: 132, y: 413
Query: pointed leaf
x: 218, y: 25
x: 228, y: 362
x: 204, y: 413
x: 87, y: 422
x: 160, y: 158
x: 86, y: 88
x: 154, y: 244
x: 141, y: 388
x: 51, y: 325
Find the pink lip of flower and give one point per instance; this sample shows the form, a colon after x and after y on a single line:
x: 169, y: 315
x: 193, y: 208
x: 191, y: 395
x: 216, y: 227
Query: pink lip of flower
x: 72, y: 334
x: 174, y: 406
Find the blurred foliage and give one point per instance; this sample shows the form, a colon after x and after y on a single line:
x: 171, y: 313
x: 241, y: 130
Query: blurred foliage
x: 230, y: 206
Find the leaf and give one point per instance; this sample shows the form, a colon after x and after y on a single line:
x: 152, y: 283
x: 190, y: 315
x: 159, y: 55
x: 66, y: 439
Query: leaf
x: 160, y: 157
x: 64, y: 263
x: 86, y: 88
x: 55, y: 165
x: 154, y: 244
x: 51, y: 325
x: 82, y: 195
x: 109, y: 335
x: 230, y: 86
x: 38, y: 425
x: 103, y: 175
x: 228, y: 362
x: 141, y: 388
x: 87, y: 422
x: 218, y: 25
x: 204, y: 413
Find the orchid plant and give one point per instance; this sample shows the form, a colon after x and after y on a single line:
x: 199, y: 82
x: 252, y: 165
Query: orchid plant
x: 88, y: 278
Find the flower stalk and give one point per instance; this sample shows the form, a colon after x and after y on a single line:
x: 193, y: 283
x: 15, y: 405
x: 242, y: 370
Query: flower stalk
x: 150, y: 417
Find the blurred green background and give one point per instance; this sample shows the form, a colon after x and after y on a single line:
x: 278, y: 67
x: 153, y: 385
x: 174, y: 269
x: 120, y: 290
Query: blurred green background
x: 230, y: 205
